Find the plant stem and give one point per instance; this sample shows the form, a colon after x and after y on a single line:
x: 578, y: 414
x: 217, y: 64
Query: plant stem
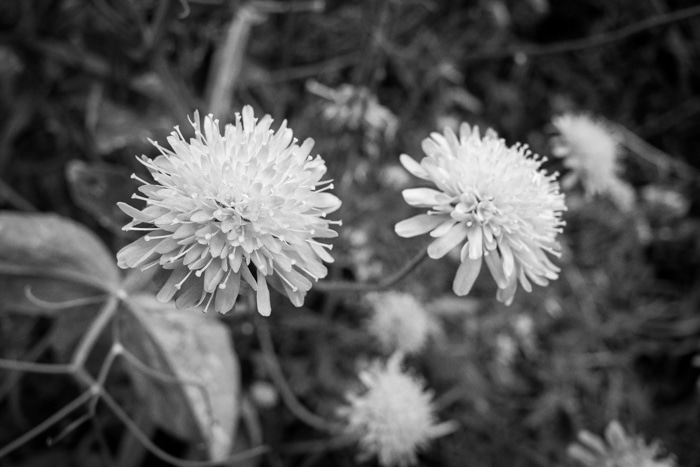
x: 93, y: 333
x: 348, y: 286
x: 46, y: 424
x: 588, y: 42
x: 288, y: 396
x: 158, y: 452
x: 32, y: 367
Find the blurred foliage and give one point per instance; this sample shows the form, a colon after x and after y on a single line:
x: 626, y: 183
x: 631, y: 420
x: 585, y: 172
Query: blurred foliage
x: 83, y: 85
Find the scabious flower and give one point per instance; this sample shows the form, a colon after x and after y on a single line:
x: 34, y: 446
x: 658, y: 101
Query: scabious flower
x: 349, y: 107
x: 493, y: 196
x: 591, y: 151
x: 246, y: 204
x: 394, y: 416
x: 621, y: 450
x: 399, y: 322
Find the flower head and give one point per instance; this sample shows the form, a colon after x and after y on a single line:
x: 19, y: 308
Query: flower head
x: 591, y: 151
x: 394, y: 416
x: 245, y: 204
x: 399, y: 321
x: 349, y: 107
x: 621, y: 450
x: 494, y: 200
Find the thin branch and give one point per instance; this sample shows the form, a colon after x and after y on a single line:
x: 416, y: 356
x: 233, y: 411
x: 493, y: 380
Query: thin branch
x: 31, y: 356
x: 287, y: 6
x: 14, y: 198
x: 158, y: 452
x: 32, y: 367
x: 49, y: 305
x: 318, y: 445
x: 591, y: 41
x: 163, y: 377
x: 57, y: 274
x: 347, y: 286
x: 94, y: 331
x: 67, y: 430
x: 307, y: 71
x: 653, y: 155
x: 288, y: 396
x: 46, y: 424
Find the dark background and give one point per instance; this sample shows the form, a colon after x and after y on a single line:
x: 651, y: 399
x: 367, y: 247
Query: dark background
x: 83, y: 84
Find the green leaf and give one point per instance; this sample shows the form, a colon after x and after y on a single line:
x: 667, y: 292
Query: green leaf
x: 53, y: 259
x: 193, y: 347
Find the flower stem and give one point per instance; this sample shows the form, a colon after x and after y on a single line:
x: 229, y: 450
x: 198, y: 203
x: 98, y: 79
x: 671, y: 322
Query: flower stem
x: 93, y: 333
x: 348, y: 286
x: 32, y: 367
x: 158, y: 452
x: 46, y: 424
x: 288, y: 396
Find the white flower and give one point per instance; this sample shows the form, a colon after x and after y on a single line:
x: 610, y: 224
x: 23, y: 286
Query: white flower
x: 394, y: 416
x: 493, y: 196
x: 621, y: 450
x: 591, y: 151
x: 356, y: 108
x: 399, y: 322
x: 242, y: 205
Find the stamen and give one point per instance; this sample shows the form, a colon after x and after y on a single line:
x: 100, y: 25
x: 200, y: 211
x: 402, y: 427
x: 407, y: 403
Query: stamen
x: 148, y: 238
x: 150, y: 265
x: 182, y: 252
x: 308, y: 272
x: 136, y: 177
x: 222, y: 285
x: 201, y: 271
x: 286, y: 281
x: 179, y: 284
x: 211, y: 297
x: 324, y: 245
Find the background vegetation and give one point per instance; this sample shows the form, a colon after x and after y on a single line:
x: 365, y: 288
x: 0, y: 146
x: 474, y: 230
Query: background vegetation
x: 83, y: 85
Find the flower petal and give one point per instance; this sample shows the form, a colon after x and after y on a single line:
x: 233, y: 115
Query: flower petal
x: 413, y: 167
x: 226, y: 296
x: 466, y: 276
x: 424, y: 197
x: 417, y: 225
x: 443, y: 228
x: 170, y: 288
x: 495, y: 265
x: 444, y: 244
x: 263, y: 296
x: 505, y: 295
x: 508, y: 259
x: 476, y: 246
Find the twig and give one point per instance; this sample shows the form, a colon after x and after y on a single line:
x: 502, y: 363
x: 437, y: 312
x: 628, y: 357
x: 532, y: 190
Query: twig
x: 49, y: 305
x: 33, y: 367
x: 58, y: 274
x: 14, y: 198
x: 316, y: 445
x: 228, y: 60
x: 93, y: 333
x: 308, y: 71
x: 288, y: 396
x: 667, y: 120
x: 46, y: 424
x: 347, y: 286
x: 287, y: 6
x: 588, y: 42
x: 168, y: 379
x: 158, y: 452
x: 653, y: 155
x: 34, y: 353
